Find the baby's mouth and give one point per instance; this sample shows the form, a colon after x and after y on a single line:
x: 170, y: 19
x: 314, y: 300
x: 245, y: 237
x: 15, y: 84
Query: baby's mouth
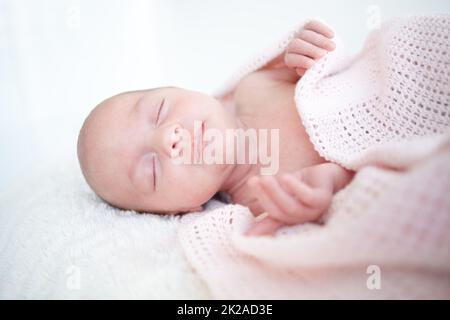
x: 199, y: 143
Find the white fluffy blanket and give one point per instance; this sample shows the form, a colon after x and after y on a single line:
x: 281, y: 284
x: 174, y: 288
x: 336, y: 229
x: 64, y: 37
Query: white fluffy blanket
x: 386, y: 114
x: 59, y: 241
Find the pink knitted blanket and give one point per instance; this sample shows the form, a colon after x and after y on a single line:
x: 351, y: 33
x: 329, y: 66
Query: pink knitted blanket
x: 385, y: 113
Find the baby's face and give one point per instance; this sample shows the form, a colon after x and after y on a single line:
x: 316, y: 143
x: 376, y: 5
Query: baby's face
x: 128, y: 143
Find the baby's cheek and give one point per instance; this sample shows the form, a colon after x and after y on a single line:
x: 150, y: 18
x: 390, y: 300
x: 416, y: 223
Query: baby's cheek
x: 195, y: 184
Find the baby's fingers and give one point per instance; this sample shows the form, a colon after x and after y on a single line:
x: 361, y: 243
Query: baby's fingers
x: 297, y: 61
x: 319, y: 27
x: 301, y: 72
x: 266, y: 191
x: 255, y: 207
x: 290, y: 210
x: 302, y: 47
x: 267, y: 226
x: 316, y: 39
x: 316, y: 198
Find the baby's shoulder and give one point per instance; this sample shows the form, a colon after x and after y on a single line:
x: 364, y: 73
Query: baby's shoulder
x: 263, y: 91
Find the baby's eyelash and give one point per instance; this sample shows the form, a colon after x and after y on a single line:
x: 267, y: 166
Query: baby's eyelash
x: 154, y: 173
x: 159, y: 110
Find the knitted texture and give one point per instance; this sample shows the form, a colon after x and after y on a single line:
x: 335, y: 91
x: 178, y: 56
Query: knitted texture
x: 395, y: 90
x: 384, y: 113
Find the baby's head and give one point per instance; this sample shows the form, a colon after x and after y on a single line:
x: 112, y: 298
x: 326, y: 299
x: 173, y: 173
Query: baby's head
x: 128, y: 144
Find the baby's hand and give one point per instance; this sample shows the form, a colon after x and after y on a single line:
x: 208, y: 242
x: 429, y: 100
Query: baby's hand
x: 311, y: 43
x: 295, y: 198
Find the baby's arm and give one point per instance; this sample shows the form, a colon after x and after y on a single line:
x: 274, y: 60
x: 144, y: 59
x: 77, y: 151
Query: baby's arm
x: 300, y: 197
x: 311, y: 43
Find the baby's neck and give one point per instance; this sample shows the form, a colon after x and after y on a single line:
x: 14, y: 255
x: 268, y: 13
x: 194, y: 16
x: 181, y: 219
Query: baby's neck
x: 239, y: 174
x: 238, y: 177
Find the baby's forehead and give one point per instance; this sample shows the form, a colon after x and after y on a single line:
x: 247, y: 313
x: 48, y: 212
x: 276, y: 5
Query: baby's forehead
x: 113, y: 107
x: 130, y: 99
x: 136, y: 94
x: 123, y: 98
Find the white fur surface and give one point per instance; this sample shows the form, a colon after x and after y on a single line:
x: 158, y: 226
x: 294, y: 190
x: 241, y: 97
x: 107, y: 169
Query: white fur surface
x: 59, y: 241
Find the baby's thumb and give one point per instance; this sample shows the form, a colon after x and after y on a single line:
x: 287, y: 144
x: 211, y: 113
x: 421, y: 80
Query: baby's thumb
x: 265, y: 227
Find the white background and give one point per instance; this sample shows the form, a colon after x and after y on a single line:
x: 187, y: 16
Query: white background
x: 59, y: 58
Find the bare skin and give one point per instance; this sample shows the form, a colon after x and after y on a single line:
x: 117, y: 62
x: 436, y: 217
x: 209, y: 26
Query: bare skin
x: 127, y: 143
x: 304, y: 187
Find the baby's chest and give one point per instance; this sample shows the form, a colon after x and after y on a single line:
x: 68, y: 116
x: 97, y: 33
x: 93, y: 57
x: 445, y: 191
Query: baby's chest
x: 265, y: 103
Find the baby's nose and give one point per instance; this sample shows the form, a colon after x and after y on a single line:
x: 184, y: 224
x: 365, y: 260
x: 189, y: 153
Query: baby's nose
x: 175, y: 142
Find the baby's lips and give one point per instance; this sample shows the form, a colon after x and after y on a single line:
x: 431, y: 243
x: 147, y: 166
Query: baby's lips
x: 197, y: 143
x: 207, y: 142
x: 175, y: 152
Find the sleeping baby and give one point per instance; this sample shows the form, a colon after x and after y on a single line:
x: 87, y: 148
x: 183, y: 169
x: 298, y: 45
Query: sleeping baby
x: 140, y: 150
